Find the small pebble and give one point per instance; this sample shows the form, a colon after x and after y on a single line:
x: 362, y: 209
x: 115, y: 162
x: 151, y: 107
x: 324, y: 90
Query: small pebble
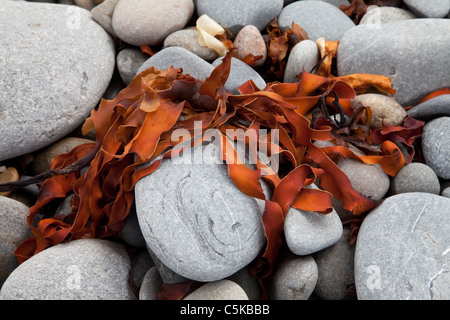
x: 250, y: 41
x: 385, y: 110
x: 436, y: 146
x: 129, y: 61
x: 416, y: 177
x: 218, y: 290
x: 303, y: 57
x: 294, y: 278
x: 336, y: 270
x: 151, y: 285
x: 188, y: 39
x: 149, y: 22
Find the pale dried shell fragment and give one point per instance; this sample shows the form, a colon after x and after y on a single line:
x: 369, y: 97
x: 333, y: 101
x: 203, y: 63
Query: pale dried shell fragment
x: 208, y: 25
x: 207, y: 29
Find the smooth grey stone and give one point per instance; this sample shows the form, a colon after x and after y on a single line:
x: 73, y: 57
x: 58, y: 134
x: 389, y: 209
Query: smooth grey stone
x: 429, y: 9
x: 149, y: 22
x: 303, y: 57
x: 391, y: 50
x: 86, y: 4
x: 131, y: 232
x: 13, y: 231
x: 247, y: 281
x: 85, y: 269
x: 446, y: 192
x: 140, y: 267
x: 434, y: 108
x: 376, y: 15
x: 402, y: 250
x: 195, y: 220
x: 336, y: 270
x: 240, y: 72
x: 151, y: 285
x: 416, y: 177
x: 436, y: 146
x: 236, y: 14
x: 129, y: 60
x: 167, y: 275
x: 179, y: 58
x: 188, y: 39
x: 336, y: 3
x: 218, y: 290
x: 368, y: 179
x: 308, y: 232
x: 49, y: 88
x: 294, y: 278
x: 317, y: 18
x: 103, y: 12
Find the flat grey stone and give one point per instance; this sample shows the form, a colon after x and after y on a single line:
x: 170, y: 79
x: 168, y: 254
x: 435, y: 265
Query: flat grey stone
x: 402, y: 250
x: 436, y: 146
x: 218, y: 290
x: 308, y: 232
x: 434, y: 108
x: 13, y: 231
x: 429, y: 9
x: 179, y: 57
x: 391, y: 50
x: 49, y: 88
x: 294, y: 278
x: 376, y: 15
x: 149, y: 22
x: 86, y: 269
x: 318, y: 18
x: 303, y: 57
x: 240, y: 72
x: 336, y: 270
x: 236, y: 14
x: 195, y: 220
x: 416, y: 177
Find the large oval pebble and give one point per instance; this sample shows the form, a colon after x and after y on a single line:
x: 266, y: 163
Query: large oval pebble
x: 403, y: 249
x: 390, y: 49
x: 86, y: 269
x: 55, y: 65
x: 235, y: 14
x: 195, y: 220
x: 149, y: 22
